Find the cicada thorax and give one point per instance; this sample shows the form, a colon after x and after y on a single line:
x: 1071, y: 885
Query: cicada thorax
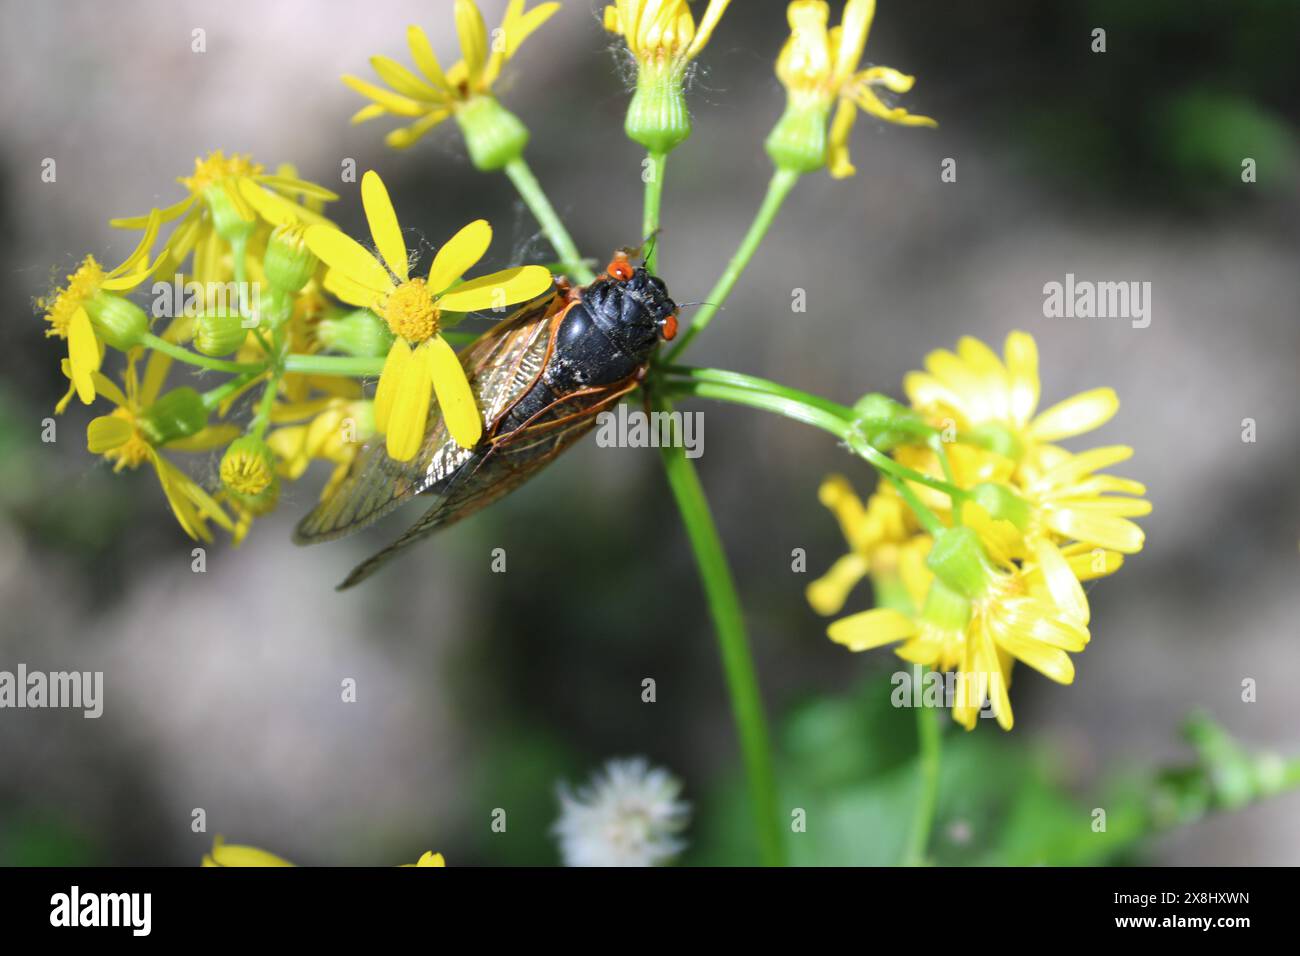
x: 603, y: 339
x: 540, y: 377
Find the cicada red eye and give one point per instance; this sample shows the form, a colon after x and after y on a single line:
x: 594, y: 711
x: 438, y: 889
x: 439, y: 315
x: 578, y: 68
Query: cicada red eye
x: 620, y: 269
x: 670, y: 328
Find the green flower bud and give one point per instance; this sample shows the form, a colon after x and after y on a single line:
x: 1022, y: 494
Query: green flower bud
x: 248, y: 470
x: 798, y: 141
x: 360, y: 333
x: 226, y: 220
x: 288, y: 263
x: 493, y: 135
x: 958, y: 560
x: 657, y: 117
x: 219, y: 332
x: 177, y: 414
x: 1002, y: 503
x: 876, y: 415
x: 120, y: 322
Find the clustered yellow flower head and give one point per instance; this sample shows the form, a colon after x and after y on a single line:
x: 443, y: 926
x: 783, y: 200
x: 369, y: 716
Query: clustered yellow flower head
x: 463, y: 90
x: 819, y: 68
x: 420, y: 362
x: 229, y: 198
x: 977, y: 553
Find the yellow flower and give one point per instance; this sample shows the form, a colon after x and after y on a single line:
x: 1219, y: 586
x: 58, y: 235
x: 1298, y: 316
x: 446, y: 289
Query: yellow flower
x: 435, y: 95
x: 662, y: 34
x: 818, y: 67
x: 876, y: 533
x: 65, y: 310
x: 992, y: 401
x: 225, y: 854
x: 335, y: 432
x: 420, y: 361
x: 429, y: 859
x: 1034, y: 613
x: 1071, y: 500
x: 130, y: 436
x: 228, y: 197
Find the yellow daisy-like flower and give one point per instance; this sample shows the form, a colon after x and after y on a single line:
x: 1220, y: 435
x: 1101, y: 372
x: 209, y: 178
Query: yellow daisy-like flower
x: 128, y: 437
x: 429, y: 858
x: 420, y: 361
x: 65, y: 309
x: 1068, y: 498
x: 228, y: 197
x: 1035, y: 613
x: 335, y: 430
x: 818, y: 67
x: 992, y: 402
x: 663, y: 34
x: 434, y: 95
x: 876, y: 532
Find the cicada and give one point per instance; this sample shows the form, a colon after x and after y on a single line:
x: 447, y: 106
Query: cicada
x: 540, y: 377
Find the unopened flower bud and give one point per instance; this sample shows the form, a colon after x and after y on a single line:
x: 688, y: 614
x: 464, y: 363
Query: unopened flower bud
x: 360, y: 333
x: 493, y: 135
x: 120, y: 322
x: 248, y: 469
x: 177, y: 414
x: 219, y: 332
x: 289, y: 264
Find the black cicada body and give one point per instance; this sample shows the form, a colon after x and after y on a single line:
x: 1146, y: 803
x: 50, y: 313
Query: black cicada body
x: 540, y: 378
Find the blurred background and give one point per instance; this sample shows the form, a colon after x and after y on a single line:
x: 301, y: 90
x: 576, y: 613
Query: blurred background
x: 479, y: 690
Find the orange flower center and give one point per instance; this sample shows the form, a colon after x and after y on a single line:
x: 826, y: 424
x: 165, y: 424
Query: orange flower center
x: 410, y: 311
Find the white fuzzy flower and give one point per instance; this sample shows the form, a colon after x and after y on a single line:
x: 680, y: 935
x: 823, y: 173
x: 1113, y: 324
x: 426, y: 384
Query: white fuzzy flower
x: 628, y: 815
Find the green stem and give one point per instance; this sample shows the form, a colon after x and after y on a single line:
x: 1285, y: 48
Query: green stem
x: 347, y: 366
x: 725, y: 377
x: 213, y: 397
x: 531, y: 191
x: 654, y: 189
x: 737, y: 662
x: 782, y: 182
x: 182, y: 354
x: 930, y: 741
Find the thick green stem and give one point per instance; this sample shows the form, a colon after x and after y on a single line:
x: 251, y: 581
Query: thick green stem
x: 930, y: 741
x: 782, y: 182
x: 733, y: 643
x: 544, y: 213
x: 182, y: 354
x: 654, y: 188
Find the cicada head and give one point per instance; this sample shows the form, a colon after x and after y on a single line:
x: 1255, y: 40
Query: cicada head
x: 632, y: 307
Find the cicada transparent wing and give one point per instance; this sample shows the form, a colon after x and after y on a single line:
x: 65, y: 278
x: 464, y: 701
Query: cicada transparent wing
x: 501, y: 366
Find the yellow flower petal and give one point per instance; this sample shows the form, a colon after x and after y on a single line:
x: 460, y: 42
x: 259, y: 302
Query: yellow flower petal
x: 383, y: 224
x: 854, y: 27
x: 455, y: 397
x: 407, y: 136
x: 1076, y: 415
x: 1106, y: 531
x: 393, y: 102
x: 430, y: 858
x: 404, y: 81
x: 712, y: 14
x: 874, y: 628
x: 1049, y: 661
x: 1061, y: 582
x: 349, y: 257
x: 498, y: 289
x: 458, y: 255
x: 106, y: 433
x: 226, y: 854
x: 828, y: 593
x: 422, y: 53
x: 368, y: 112
x: 83, y: 355
x: 1021, y: 354
x: 409, y: 412
x: 473, y: 38
x: 390, y: 380
x: 837, y: 152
